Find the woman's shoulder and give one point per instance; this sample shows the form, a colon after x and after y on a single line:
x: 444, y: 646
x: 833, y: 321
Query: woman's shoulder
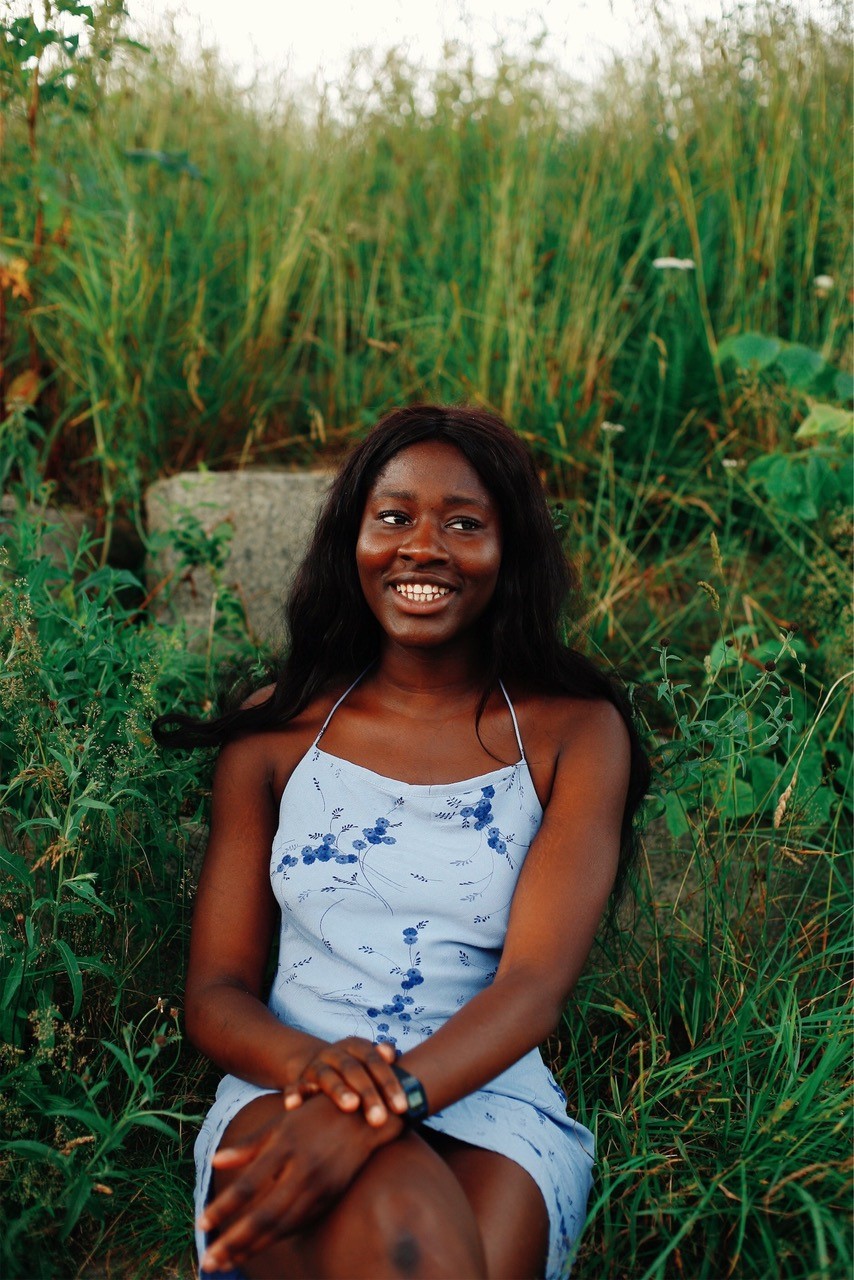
x: 277, y: 750
x: 568, y: 721
x: 568, y: 737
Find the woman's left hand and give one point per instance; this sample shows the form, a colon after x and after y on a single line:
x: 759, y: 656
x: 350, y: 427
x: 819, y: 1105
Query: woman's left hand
x: 292, y: 1168
x: 354, y: 1073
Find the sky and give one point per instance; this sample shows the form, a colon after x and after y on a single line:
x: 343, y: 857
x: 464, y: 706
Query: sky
x: 302, y: 39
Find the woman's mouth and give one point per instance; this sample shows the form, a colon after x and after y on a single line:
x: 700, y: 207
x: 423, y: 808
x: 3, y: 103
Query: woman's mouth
x: 421, y: 592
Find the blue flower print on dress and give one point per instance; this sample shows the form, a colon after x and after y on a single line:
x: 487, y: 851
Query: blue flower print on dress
x: 325, y: 851
x: 401, y: 1007
x: 495, y: 841
x: 481, y: 812
x: 328, y: 849
x: 483, y: 816
x: 377, y: 834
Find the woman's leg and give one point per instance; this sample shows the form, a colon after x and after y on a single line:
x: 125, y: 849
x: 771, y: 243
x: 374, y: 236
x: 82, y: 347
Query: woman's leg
x: 507, y: 1204
x: 405, y: 1215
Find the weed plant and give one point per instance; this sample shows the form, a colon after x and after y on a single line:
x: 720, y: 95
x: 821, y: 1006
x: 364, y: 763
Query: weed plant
x: 187, y: 277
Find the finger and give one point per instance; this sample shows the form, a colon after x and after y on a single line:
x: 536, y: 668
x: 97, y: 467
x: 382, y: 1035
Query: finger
x: 283, y: 1210
x: 330, y: 1079
x: 293, y: 1095
x: 360, y: 1079
x: 234, y: 1157
x: 260, y: 1224
x: 385, y: 1078
x: 264, y: 1169
x: 350, y: 1058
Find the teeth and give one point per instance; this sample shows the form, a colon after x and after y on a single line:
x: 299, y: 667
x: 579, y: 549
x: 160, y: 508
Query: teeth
x: 421, y: 591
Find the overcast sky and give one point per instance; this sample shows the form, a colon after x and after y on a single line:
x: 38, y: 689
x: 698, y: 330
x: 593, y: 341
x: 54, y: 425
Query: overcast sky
x: 304, y: 37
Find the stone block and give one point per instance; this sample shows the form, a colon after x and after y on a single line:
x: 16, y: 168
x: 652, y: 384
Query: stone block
x: 271, y: 515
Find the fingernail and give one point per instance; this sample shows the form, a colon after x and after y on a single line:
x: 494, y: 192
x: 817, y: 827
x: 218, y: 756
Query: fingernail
x: 349, y: 1097
x: 376, y: 1115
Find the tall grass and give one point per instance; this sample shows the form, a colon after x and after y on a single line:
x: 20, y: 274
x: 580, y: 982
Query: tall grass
x: 226, y: 279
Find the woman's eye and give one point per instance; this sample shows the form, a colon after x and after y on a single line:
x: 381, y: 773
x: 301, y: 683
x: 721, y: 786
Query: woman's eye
x: 466, y: 523
x: 393, y: 517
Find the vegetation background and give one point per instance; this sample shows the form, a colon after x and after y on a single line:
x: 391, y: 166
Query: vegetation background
x: 651, y: 280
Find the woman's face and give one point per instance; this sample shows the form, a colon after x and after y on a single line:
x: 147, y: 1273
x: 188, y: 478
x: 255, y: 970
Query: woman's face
x: 429, y: 546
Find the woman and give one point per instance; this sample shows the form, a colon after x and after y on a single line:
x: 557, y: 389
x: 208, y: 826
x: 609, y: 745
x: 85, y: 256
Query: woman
x: 448, y: 793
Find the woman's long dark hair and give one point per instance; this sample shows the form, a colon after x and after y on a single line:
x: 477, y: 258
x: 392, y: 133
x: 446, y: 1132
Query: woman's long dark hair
x: 334, y: 636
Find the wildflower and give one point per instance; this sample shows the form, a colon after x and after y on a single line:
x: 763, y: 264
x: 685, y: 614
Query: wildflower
x: 770, y: 666
x: 674, y: 264
x: 612, y: 428
x: 823, y: 285
x: 732, y: 463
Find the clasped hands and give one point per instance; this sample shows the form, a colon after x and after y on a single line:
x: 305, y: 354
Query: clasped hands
x: 294, y: 1166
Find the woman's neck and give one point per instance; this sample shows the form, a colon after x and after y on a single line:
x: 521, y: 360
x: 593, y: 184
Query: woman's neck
x: 429, y: 676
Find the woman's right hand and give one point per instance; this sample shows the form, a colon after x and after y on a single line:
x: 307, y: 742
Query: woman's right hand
x: 289, y: 1170
x: 354, y: 1073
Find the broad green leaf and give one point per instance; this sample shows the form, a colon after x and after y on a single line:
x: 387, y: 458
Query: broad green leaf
x: 826, y: 420
x: 800, y: 365
x: 738, y: 799
x: 674, y: 815
x: 843, y: 385
x: 749, y: 350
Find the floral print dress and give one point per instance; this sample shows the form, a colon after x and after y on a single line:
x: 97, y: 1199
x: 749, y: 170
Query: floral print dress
x: 395, y: 898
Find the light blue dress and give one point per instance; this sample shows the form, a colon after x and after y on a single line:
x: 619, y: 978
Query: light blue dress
x: 395, y: 898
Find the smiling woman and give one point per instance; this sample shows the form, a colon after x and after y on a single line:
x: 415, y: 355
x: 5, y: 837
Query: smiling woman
x: 429, y: 546
x: 436, y: 869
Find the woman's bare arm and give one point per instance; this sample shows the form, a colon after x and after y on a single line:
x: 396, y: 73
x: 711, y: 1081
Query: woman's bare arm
x: 559, y: 900
x: 233, y: 923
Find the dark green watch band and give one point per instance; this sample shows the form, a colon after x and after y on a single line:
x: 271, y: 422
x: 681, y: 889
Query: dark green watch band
x: 416, y: 1098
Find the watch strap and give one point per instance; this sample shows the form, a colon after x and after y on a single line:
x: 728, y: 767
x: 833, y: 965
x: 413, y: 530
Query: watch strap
x: 416, y: 1098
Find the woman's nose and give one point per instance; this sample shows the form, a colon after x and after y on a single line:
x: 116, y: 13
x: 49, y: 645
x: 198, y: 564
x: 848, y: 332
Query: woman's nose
x: 423, y: 542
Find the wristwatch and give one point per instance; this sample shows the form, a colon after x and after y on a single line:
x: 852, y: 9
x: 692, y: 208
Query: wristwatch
x: 416, y: 1098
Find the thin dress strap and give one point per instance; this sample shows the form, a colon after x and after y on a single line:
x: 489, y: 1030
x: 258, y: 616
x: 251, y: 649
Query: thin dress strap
x: 515, y: 721
x: 338, y: 704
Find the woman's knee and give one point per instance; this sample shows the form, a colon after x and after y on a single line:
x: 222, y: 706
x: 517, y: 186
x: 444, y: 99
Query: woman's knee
x: 409, y: 1218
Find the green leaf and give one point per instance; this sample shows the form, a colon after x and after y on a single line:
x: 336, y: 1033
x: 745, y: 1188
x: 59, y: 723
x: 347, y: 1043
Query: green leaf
x: 81, y: 1190
x: 800, y: 365
x: 39, y: 1150
x: 72, y: 968
x: 738, y: 799
x: 826, y: 420
x: 13, y: 982
x: 154, y: 1122
x: 675, y: 816
x: 749, y: 350
x: 843, y: 385
x: 15, y: 865
x: 83, y: 889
